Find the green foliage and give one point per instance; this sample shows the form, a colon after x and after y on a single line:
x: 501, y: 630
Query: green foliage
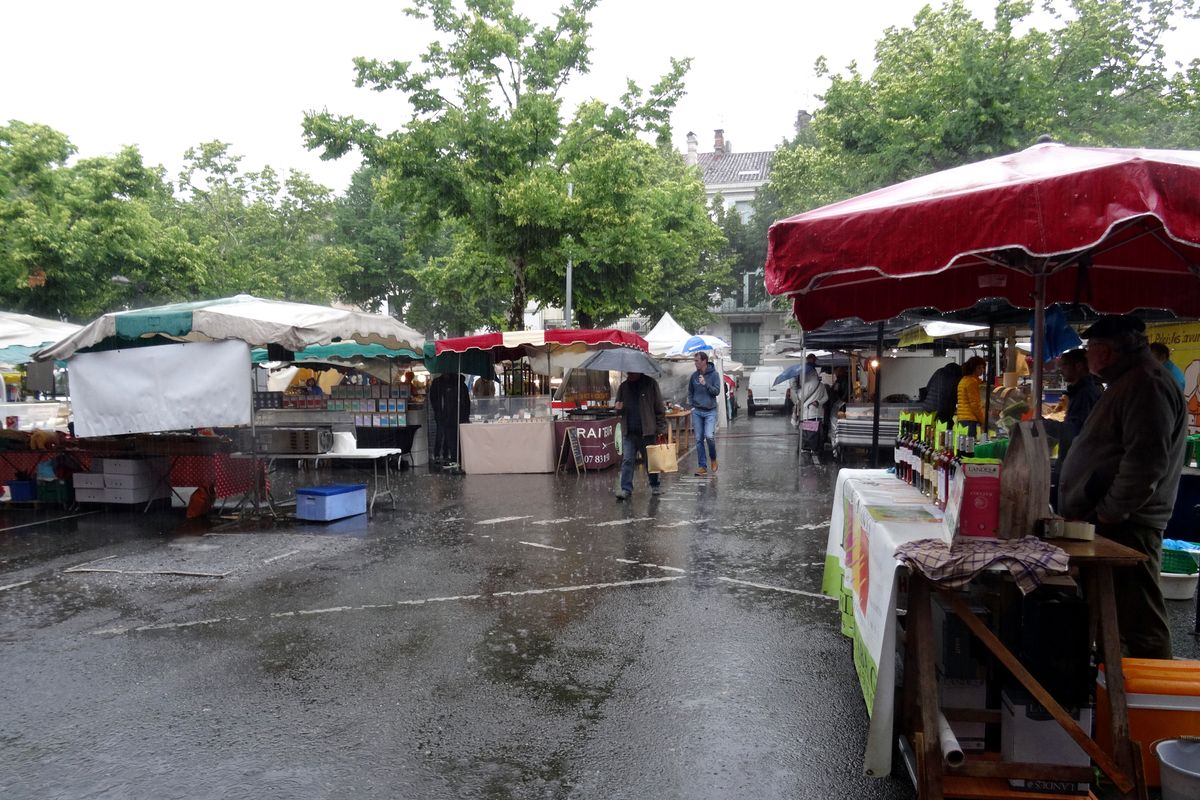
x: 257, y: 234
x: 488, y: 154
x: 950, y: 90
x: 67, y: 230
x: 427, y: 279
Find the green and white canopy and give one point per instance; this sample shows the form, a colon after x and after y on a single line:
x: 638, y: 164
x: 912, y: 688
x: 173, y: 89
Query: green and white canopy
x: 22, y: 335
x: 258, y: 322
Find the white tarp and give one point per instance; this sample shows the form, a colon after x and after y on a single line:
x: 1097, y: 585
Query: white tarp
x: 161, y: 388
x: 246, y: 318
x: 666, y: 335
x: 25, y: 331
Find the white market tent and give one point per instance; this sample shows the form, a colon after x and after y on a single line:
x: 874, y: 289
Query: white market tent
x: 201, y: 376
x: 245, y: 318
x: 22, y: 335
x: 666, y: 335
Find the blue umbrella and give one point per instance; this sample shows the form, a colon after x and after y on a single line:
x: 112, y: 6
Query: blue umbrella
x: 789, y: 373
x: 702, y: 342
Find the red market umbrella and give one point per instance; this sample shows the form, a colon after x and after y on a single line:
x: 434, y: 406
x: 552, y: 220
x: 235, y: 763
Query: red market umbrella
x: 508, y: 345
x: 1114, y: 229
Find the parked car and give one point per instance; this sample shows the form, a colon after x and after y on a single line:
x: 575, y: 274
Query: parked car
x: 762, y: 394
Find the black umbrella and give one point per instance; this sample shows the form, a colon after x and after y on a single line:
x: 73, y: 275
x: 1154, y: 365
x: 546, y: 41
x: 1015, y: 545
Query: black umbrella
x: 622, y: 359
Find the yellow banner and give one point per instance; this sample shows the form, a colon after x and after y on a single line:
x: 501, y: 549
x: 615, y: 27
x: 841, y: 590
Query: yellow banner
x: 1184, y: 340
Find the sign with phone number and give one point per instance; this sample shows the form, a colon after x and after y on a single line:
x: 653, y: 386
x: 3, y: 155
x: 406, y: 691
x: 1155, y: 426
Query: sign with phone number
x: 597, y: 441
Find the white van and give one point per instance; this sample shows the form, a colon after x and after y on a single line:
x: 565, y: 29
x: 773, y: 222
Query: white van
x: 762, y: 394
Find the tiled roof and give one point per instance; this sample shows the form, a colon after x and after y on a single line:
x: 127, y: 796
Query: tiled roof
x: 723, y: 168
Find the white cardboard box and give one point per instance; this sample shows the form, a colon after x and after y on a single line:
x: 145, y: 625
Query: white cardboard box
x: 134, y: 466
x: 965, y: 693
x: 89, y: 495
x: 141, y: 480
x: 87, y: 480
x: 131, y: 496
x: 1028, y: 734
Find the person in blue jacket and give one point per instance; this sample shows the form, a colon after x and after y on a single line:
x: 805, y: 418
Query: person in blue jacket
x: 703, y: 389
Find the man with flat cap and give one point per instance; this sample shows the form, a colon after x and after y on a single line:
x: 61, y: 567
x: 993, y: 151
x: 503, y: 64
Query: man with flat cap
x: 1122, y: 471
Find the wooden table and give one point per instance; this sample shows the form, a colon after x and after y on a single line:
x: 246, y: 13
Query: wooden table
x: 680, y: 425
x: 986, y: 778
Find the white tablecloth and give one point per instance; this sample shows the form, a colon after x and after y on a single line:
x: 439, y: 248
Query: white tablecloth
x: 873, y: 514
x: 507, y: 447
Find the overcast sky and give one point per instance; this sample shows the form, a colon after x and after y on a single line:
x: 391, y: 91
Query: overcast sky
x: 168, y: 75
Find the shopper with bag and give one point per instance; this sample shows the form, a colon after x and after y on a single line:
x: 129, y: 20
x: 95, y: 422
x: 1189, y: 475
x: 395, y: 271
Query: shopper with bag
x: 703, y: 389
x: 643, y: 419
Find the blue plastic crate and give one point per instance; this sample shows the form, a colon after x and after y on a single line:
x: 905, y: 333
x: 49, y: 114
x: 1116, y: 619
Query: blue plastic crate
x: 326, y: 503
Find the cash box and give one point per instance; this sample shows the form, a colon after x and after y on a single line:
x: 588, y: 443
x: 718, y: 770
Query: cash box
x: 326, y: 503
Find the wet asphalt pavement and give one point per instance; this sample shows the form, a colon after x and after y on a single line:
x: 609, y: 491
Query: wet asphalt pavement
x: 493, y: 637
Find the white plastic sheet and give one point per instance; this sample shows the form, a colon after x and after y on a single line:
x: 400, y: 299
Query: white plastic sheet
x: 161, y: 388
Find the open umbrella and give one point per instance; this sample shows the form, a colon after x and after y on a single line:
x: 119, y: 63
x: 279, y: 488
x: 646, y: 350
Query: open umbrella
x: 621, y: 359
x: 1117, y: 230
x: 700, y: 343
x: 789, y: 373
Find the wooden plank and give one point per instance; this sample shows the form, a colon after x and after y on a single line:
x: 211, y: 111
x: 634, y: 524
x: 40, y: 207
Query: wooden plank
x: 975, y: 768
x: 1098, y: 551
x: 984, y: 715
x: 1120, y: 777
x: 997, y: 789
x: 1108, y: 635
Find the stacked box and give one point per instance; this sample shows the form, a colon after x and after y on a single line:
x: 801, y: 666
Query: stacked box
x: 1028, y: 734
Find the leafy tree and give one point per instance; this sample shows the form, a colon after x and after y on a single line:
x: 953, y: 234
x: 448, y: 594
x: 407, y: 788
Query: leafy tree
x: 487, y: 150
x: 948, y: 90
x: 425, y: 276
x: 66, y: 230
x: 258, y: 234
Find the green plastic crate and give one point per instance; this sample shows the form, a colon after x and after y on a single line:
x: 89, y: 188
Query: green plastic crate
x: 1179, y: 562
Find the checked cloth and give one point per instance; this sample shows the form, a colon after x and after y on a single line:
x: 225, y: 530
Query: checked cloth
x: 1029, y: 560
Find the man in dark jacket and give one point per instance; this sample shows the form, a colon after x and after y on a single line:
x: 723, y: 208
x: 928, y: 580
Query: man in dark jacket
x: 454, y: 405
x: 703, y: 388
x: 643, y: 417
x: 1122, y: 471
x: 941, y: 393
x: 1083, y: 392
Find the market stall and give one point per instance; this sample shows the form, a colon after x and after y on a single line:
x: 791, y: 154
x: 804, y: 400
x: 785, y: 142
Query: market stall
x: 1117, y: 230
x: 188, y: 366
x: 514, y: 431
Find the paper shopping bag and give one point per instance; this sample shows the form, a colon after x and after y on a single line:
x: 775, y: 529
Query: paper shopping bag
x: 661, y: 458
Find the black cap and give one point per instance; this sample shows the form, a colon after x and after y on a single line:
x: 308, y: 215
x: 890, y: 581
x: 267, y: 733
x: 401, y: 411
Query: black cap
x: 1114, y: 325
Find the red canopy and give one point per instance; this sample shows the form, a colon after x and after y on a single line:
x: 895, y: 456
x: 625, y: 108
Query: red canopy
x: 1114, y: 229
x: 508, y: 345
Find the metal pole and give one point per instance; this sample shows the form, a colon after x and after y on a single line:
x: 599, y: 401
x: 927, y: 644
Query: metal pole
x: 570, y: 271
x: 1039, y: 337
x: 878, y: 395
x: 991, y: 374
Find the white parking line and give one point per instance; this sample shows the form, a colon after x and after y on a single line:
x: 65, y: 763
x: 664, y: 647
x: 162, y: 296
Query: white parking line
x: 814, y: 526
x: 621, y: 522
x: 498, y: 520
x: 281, y: 555
x: 768, y: 587
x: 558, y: 521
x: 544, y: 546
x: 161, y: 626
x: 14, y: 585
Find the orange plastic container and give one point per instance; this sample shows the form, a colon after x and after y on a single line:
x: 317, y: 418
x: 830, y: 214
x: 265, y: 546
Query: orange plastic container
x: 1164, y: 702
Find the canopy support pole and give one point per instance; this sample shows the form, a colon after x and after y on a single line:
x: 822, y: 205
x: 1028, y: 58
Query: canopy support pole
x: 878, y: 395
x: 991, y: 374
x: 1039, y: 335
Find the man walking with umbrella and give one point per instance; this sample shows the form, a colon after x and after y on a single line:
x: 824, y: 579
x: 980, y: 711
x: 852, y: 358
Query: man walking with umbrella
x: 643, y: 417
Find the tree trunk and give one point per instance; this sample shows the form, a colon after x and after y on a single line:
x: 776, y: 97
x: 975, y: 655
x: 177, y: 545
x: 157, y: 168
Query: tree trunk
x: 583, y: 320
x: 516, y: 312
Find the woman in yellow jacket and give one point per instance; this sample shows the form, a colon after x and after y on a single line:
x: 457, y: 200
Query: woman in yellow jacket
x: 970, y: 406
